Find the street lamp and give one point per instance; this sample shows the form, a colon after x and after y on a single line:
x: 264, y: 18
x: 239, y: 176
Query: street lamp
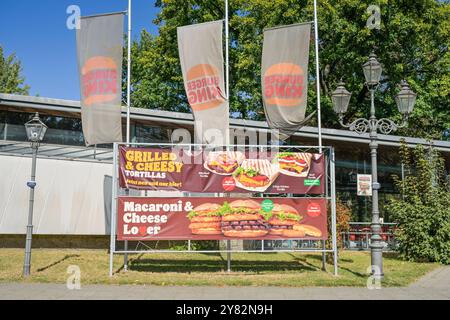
x: 372, y: 70
x: 405, y: 100
x: 36, y: 130
x: 341, y: 99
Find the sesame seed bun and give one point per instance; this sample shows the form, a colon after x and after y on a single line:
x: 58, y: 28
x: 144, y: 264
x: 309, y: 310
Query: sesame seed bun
x: 284, y: 208
x: 308, y: 230
x: 249, y: 204
x: 293, y: 233
x: 207, y: 207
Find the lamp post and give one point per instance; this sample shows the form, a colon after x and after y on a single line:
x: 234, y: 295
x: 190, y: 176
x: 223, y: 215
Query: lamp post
x: 405, y: 100
x: 36, y: 130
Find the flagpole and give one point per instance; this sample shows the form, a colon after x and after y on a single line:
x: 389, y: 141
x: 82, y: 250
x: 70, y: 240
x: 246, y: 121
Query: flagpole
x: 125, y: 256
x: 316, y: 45
x: 319, y: 123
x: 227, y: 64
x: 227, y: 86
x: 129, y: 72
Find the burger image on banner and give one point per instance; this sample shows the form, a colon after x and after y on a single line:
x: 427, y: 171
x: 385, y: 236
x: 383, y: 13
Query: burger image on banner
x: 243, y: 219
x: 283, y: 219
x: 308, y: 231
x: 223, y: 162
x: 295, y: 164
x: 205, y: 219
x: 255, y: 175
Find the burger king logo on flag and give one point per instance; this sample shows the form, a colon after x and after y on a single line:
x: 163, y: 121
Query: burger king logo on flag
x: 99, y: 80
x: 283, y: 84
x: 203, y: 90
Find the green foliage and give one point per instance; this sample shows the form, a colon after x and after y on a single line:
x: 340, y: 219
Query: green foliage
x: 343, y: 217
x: 423, y: 211
x: 11, y: 80
x: 412, y: 43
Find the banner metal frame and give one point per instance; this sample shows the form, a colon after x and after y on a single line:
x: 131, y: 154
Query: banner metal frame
x: 330, y: 196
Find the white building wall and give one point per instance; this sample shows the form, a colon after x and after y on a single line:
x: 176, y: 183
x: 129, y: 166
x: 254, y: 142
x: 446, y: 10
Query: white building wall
x: 71, y: 197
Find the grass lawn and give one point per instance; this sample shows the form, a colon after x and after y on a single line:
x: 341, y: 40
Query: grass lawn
x: 248, y: 269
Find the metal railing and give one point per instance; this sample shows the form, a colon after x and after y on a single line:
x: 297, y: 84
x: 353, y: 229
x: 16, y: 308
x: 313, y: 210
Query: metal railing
x: 358, y: 237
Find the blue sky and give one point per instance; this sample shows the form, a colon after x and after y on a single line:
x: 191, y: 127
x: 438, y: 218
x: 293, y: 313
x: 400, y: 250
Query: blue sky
x: 36, y: 32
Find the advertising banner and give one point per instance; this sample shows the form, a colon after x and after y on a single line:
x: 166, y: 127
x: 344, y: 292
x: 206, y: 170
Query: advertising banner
x: 364, y: 185
x: 200, y: 48
x: 99, y: 47
x: 179, y: 169
x: 221, y: 218
x: 284, y: 77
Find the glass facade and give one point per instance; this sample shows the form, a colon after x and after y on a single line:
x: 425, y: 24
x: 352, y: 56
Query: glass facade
x: 354, y: 158
x: 68, y: 131
x: 61, y: 130
x: 351, y: 158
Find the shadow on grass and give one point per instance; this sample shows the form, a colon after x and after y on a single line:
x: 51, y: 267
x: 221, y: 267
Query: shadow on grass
x: 318, y: 258
x: 304, y: 261
x: 358, y: 274
x: 57, y: 262
x: 189, y: 265
x: 130, y: 262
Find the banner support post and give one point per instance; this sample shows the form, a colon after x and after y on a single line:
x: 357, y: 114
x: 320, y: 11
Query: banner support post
x: 327, y: 193
x: 333, y: 212
x: 324, y: 256
x: 228, y: 256
x: 327, y: 180
x: 112, y: 245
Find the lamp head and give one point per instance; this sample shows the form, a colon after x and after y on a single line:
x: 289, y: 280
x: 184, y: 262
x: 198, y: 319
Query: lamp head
x: 340, y: 98
x: 372, y: 70
x: 35, y: 129
x: 405, y: 99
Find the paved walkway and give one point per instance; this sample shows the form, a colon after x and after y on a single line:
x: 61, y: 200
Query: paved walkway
x: 435, y: 285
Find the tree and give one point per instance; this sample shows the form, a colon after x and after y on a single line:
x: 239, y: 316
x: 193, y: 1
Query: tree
x: 423, y: 210
x: 412, y: 43
x: 11, y: 80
